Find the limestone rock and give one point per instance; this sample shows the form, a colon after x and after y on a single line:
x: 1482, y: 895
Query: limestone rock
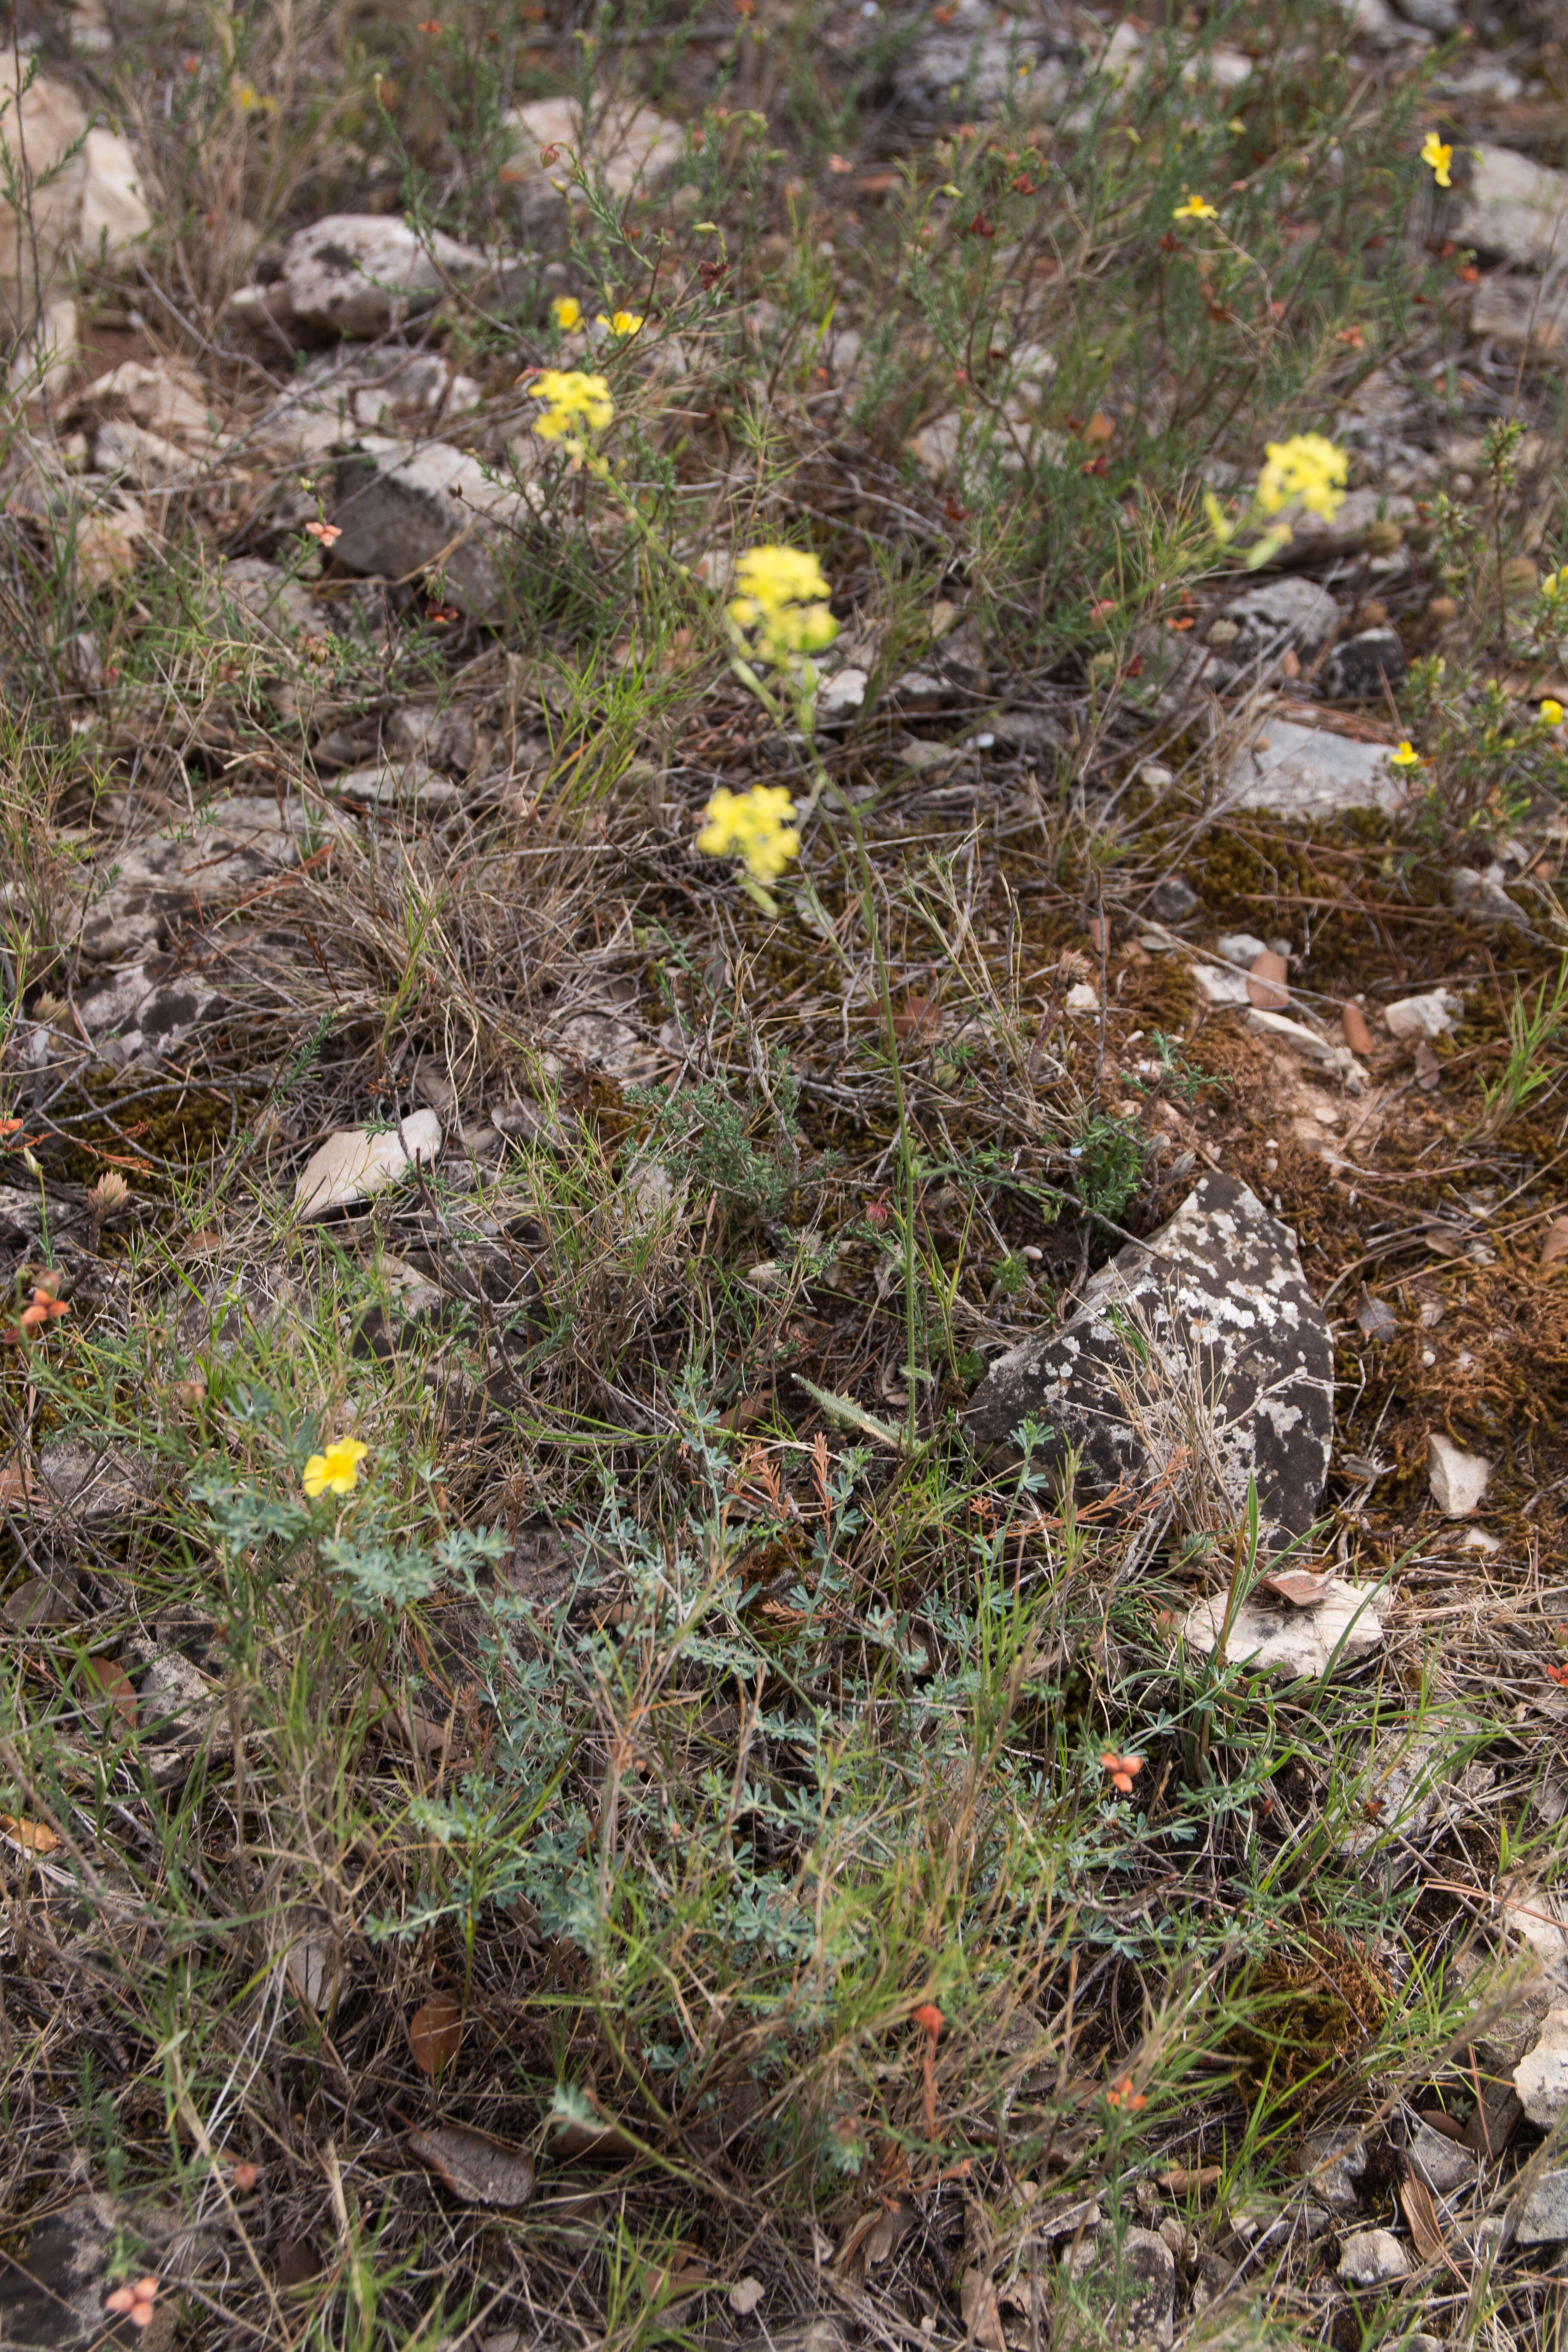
x: 162, y: 396
x: 1443, y: 2164
x: 140, y: 1011
x: 1540, y: 2077
x: 1140, y: 2276
x: 252, y: 598
x: 52, y: 2294
x: 1301, y: 1642
x: 1333, y: 2161
x: 140, y: 895
x: 402, y: 512
x: 633, y: 148
x: 1482, y: 897
x: 1323, y: 1052
x: 81, y: 187
x: 1172, y: 899
x: 1527, y: 313
x: 1307, y: 772
x: 353, y: 1163
x: 1225, y: 1326
x: 976, y: 63
x: 1543, y: 2216
x: 1515, y: 208
x: 1365, y: 667
x: 360, y: 273
x: 1458, y: 1479
x: 1289, y: 613
x: 398, y: 783
x: 1431, y: 1015
x: 1372, y: 2258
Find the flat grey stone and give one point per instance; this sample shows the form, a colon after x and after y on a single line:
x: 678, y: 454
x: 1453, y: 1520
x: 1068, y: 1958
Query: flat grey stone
x: 402, y: 510
x: 1430, y: 1015
x: 51, y: 2294
x: 1527, y: 314
x: 1274, y: 1638
x: 139, y: 895
x: 1307, y: 772
x: 1515, y: 208
x: 1540, y: 2077
x: 1173, y: 901
x: 1333, y: 2161
x: 1365, y: 667
x: 358, y: 273
x: 971, y: 61
x: 1372, y: 2258
x: 631, y: 149
x: 1217, y: 1307
x: 251, y: 598
x: 1137, y: 2281
x: 1443, y: 2164
x: 1459, y: 1480
x: 140, y: 1011
x: 1543, y: 2216
x: 1289, y: 613
x: 396, y: 784
x: 1483, y: 899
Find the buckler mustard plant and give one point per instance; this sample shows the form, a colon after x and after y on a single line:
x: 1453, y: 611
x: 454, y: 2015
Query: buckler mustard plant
x: 1306, y: 471
x: 754, y: 826
x: 576, y: 409
x: 782, y: 605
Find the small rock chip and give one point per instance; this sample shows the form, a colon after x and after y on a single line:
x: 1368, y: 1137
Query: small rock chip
x: 1543, y: 2216
x: 1242, y: 947
x: 1145, y: 2290
x: 476, y: 2169
x: 353, y: 1163
x: 1267, y: 984
x: 1173, y: 901
x: 1372, y: 2258
x: 1366, y: 668
x: 1376, y: 1318
x: 1301, y: 1642
x: 1554, y: 1249
x: 1217, y: 1295
x: 1307, y: 772
x: 358, y: 273
x: 1358, y: 1036
x: 1540, y: 2077
x: 1458, y: 1479
x: 1482, y: 897
x: 1441, y: 2162
x: 1423, y: 1016
x: 1082, y: 997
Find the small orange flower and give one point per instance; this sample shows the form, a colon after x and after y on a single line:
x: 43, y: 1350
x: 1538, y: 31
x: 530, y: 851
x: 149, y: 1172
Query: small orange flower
x: 134, y: 2303
x: 1122, y: 1770
x: 430, y: 25
x: 930, y: 2018
x: 325, y: 532
x: 1122, y: 2094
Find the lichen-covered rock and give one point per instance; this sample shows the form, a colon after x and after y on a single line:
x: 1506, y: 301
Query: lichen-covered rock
x: 196, y: 864
x: 1199, y: 1359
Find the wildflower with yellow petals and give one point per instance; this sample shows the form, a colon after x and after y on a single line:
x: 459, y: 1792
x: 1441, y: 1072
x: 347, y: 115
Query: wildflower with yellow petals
x: 337, y: 1470
x: 1195, y: 208
x: 1554, y: 585
x: 1408, y: 756
x: 783, y: 598
x: 574, y: 406
x: 1307, y: 470
x: 1439, y: 157
x: 1551, y: 712
x: 621, y: 322
x: 565, y: 312
x: 753, y: 825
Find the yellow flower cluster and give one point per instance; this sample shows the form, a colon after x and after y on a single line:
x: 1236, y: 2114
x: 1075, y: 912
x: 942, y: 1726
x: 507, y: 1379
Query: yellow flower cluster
x: 1307, y: 470
x: 754, y: 826
x: 574, y: 404
x: 1439, y: 157
x: 783, y: 597
x: 337, y: 1470
x: 1195, y: 208
x: 566, y: 312
x: 620, y: 322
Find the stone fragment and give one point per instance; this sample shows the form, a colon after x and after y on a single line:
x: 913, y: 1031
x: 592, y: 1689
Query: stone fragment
x: 1432, y: 1015
x: 630, y: 149
x: 78, y: 188
x: 89, y: 1481
x: 1375, y: 1319
x: 1143, y: 2281
x: 1458, y: 1479
x: 1219, y: 986
x: 1307, y: 772
x: 1241, y: 948
x: 1372, y: 2258
x: 1482, y: 897
x: 398, y: 783
x: 841, y: 697
x: 1554, y: 1249
x: 1291, y: 612
x: 1439, y: 17
x: 51, y: 2294
x: 140, y: 1011
x: 353, y: 1163
x: 1543, y: 2218
x: 1334, y: 2160
x: 402, y: 512
x: 253, y: 598
x: 1300, y: 1642
x: 1515, y: 208
x: 362, y: 273
x: 162, y: 395
x: 1540, y: 2077
x: 1365, y: 667
x: 1299, y: 1039
x: 1441, y: 2162
x: 977, y: 64
x: 140, y: 895
x: 1081, y: 998
x: 1210, y: 1314
x: 1215, y: 2275
x: 1173, y: 901
x: 1528, y: 314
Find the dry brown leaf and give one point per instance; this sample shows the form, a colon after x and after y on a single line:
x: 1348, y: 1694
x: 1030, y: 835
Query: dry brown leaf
x: 1422, y: 2216
x: 1182, y: 2177
x: 1266, y: 979
x: 982, y: 2318
x: 435, y: 2034
x: 1299, y: 1587
x: 474, y: 2166
x: 600, y: 2141
x: 916, y: 1021
x: 1099, y: 430
x: 1358, y: 1036
x: 106, y: 1688
x: 32, y: 1837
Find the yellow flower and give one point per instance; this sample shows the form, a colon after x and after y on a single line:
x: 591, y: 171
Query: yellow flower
x: 570, y: 399
x: 336, y: 1470
x: 783, y: 598
x: 754, y: 826
x: 1555, y: 584
x: 620, y: 322
x: 1408, y: 756
x: 566, y: 312
x: 1439, y: 157
x: 1195, y: 208
x: 249, y: 100
x: 1306, y: 470
x: 1552, y: 713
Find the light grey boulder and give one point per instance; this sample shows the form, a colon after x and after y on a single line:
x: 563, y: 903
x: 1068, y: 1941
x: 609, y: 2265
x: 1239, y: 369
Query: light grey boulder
x: 361, y: 273
x: 1210, y: 1316
x: 1515, y: 208
x: 1372, y: 2258
x: 1307, y: 772
x: 405, y: 512
x: 1543, y: 2216
x: 1289, y: 613
x: 139, y: 897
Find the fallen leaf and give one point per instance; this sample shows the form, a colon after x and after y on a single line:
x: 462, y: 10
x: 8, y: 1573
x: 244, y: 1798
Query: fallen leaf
x: 474, y: 2166
x: 1358, y: 1036
x: 745, y: 2295
x: 297, y: 2261
x: 32, y: 1837
x: 1182, y: 2177
x: 982, y: 2318
x: 435, y: 2034
x: 1422, y: 2216
x: 1265, y: 982
x: 106, y: 1685
x: 916, y: 1021
x: 1554, y: 1249
x: 603, y: 2142
x: 1099, y: 430
x: 1299, y: 1586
